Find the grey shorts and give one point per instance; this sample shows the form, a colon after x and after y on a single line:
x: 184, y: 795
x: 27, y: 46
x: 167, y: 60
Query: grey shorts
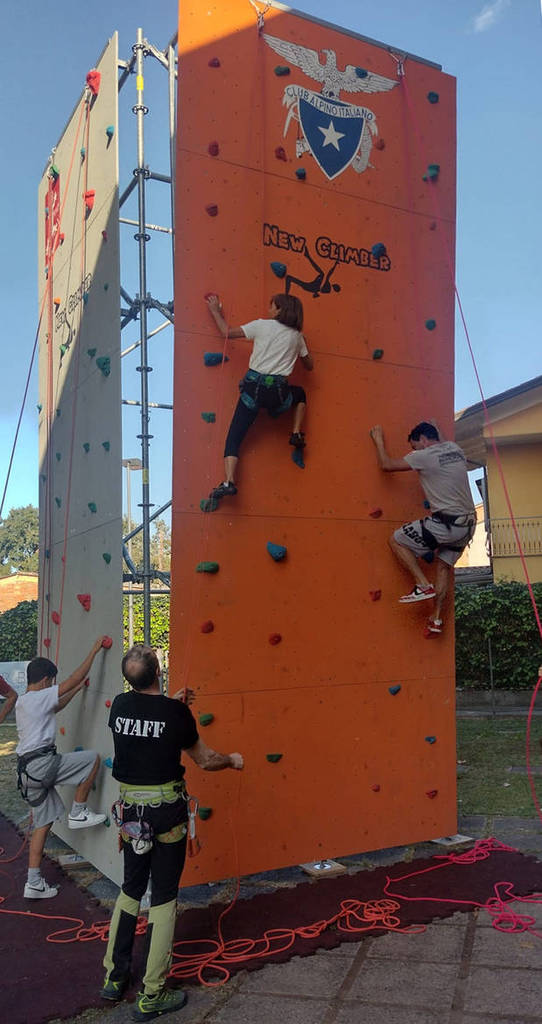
x: 411, y: 536
x: 73, y: 769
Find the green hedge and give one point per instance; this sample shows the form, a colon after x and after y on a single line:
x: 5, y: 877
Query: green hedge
x: 159, y: 621
x: 19, y: 632
x: 503, y: 614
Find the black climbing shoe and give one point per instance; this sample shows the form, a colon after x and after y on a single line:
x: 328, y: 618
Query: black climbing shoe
x: 224, y: 490
x: 297, y: 440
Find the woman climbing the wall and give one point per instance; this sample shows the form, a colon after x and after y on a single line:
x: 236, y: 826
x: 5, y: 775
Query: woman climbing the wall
x: 278, y: 343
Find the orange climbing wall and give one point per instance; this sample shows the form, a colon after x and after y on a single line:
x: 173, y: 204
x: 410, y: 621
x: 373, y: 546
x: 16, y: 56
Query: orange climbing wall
x: 357, y: 765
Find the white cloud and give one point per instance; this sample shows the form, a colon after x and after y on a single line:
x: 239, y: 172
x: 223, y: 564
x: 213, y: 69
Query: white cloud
x: 489, y: 15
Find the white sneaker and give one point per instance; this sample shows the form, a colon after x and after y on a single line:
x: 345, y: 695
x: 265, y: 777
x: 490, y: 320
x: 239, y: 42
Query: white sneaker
x: 42, y: 891
x: 85, y: 819
x: 418, y: 594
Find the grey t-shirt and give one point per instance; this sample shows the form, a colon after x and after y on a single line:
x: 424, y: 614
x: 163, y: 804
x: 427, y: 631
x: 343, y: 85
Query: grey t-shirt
x: 443, y: 476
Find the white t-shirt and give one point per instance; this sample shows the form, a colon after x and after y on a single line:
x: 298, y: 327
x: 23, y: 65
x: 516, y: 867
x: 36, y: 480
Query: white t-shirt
x: 276, y: 347
x: 443, y: 476
x: 35, y: 718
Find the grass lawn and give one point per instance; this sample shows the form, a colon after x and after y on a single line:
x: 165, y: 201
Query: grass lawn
x: 489, y: 748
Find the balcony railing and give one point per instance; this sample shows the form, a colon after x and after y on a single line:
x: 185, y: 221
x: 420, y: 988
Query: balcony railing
x: 503, y: 539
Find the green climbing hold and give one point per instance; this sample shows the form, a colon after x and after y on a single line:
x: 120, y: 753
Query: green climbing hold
x: 63, y: 350
x: 206, y: 719
x: 301, y: 173
x: 82, y: 152
x: 58, y: 502
x: 92, y: 506
x: 208, y: 504
x: 39, y: 407
x: 107, y: 822
x: 378, y: 353
x: 58, y: 456
x: 210, y: 567
x: 91, y: 352
x: 106, y: 445
x: 433, y: 172
x: 209, y: 417
x: 430, y: 324
x: 104, y: 364
x: 106, y: 557
x: 281, y: 70
x: 433, y: 97
x: 54, y: 171
x: 106, y: 286
x: 205, y: 812
x: 273, y: 758
x: 85, y: 298
x: 86, y: 446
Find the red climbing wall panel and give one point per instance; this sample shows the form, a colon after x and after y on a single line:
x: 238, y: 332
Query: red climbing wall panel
x: 358, y: 761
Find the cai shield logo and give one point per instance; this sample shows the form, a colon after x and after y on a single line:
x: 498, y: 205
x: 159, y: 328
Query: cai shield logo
x: 337, y: 134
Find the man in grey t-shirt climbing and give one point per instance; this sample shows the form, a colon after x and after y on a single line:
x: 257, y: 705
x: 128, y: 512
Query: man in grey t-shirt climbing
x: 448, y: 527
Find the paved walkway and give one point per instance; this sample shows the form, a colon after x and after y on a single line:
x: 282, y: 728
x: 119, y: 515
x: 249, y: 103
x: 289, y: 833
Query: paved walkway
x: 459, y: 971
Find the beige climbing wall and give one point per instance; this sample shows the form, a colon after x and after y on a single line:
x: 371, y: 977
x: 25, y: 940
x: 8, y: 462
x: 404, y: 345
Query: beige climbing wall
x: 80, y: 430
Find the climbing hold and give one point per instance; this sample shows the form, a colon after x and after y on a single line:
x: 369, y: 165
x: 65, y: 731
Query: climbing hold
x: 104, y: 364
x: 205, y: 812
x: 210, y: 567
x: 54, y: 172
x: 106, y: 286
x: 375, y: 788
x: 281, y: 70
x: 301, y: 173
x: 213, y: 149
x: 375, y: 513
x: 426, y: 503
x: 43, y: 478
x: 58, y: 502
x: 280, y: 153
x: 107, y: 822
x: 82, y: 152
x: 63, y: 349
x: 433, y: 225
x: 430, y: 324
x: 379, y: 144
x: 107, y: 642
x: 432, y: 173
x: 430, y: 739
x: 86, y: 446
x: 361, y: 73
x: 110, y: 131
x: 86, y: 682
x: 394, y: 690
x: 106, y: 557
x: 277, y: 551
x: 207, y: 626
x: 297, y: 457
x: 375, y: 595
x: 61, y: 238
x: 76, y: 749
x: 214, y: 358
x: 274, y: 639
x: 108, y: 703
x: 209, y: 417
x: 214, y: 62
x: 208, y: 504
x: 91, y: 352
x: 89, y: 197
x: 379, y: 249
x: 93, y: 81
x: 428, y: 556
x: 431, y: 793
x: 92, y: 506
x: 57, y: 301
x: 47, y: 641
x: 56, y: 618
x: 47, y: 555
x: 273, y: 758
x: 62, y: 730
x: 108, y: 761
x: 106, y: 445
x: 279, y: 269
x: 58, y: 456
x: 211, y: 209
x: 84, y: 600
x: 85, y: 298
x: 433, y: 97
x: 206, y: 719
x: 378, y: 353
x: 104, y: 235
x: 39, y: 407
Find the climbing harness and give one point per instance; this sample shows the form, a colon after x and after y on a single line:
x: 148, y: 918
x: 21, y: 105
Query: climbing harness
x: 46, y: 782
x: 448, y: 520
x: 266, y: 380
x: 140, y: 832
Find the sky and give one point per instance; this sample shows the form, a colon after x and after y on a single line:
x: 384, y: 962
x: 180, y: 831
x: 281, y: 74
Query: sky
x: 493, y: 49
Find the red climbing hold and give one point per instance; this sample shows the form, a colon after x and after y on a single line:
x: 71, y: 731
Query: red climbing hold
x: 47, y: 641
x: 376, y: 788
x: 107, y: 642
x: 207, y: 627
x: 61, y: 238
x: 375, y: 513
x: 56, y: 618
x: 379, y: 144
x: 93, y: 81
x: 212, y: 209
x: 84, y: 599
x: 280, y: 153
x: 275, y: 639
x: 108, y: 703
x: 62, y: 730
x: 86, y: 682
x: 213, y: 149
x: 375, y: 595
x: 214, y: 62
x: 104, y: 235
x: 89, y: 197
x: 431, y: 793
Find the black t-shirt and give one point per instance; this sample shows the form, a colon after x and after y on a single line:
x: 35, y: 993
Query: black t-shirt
x: 149, y: 733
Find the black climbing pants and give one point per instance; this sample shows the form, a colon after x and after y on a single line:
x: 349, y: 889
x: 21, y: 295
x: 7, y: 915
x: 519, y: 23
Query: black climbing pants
x: 243, y: 417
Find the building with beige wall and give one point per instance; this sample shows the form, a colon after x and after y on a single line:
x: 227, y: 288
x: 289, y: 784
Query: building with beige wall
x: 17, y: 587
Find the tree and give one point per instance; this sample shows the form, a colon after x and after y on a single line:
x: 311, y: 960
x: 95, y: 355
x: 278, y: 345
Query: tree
x: 19, y: 539
x: 160, y: 545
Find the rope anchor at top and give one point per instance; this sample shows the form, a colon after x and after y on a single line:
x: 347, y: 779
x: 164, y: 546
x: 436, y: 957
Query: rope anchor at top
x: 260, y: 14
x: 399, y: 59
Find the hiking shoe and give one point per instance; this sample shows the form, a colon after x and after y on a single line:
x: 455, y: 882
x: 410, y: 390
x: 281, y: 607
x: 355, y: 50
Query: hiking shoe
x: 224, y: 490
x: 42, y: 891
x: 418, y: 594
x: 85, y: 819
x: 297, y: 440
x: 433, y: 628
x: 114, y: 990
x: 166, y: 1001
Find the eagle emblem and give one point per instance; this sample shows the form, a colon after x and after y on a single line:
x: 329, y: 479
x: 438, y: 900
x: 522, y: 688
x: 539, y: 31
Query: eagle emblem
x: 336, y: 133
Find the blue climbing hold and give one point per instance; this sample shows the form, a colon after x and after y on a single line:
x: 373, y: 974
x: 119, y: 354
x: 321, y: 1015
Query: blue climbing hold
x: 433, y: 97
x: 394, y: 690
x: 429, y: 556
x: 106, y: 445
x: 279, y: 269
x: 110, y: 131
x: 281, y: 70
x: 214, y: 358
x: 209, y: 417
x: 430, y: 739
x: 430, y: 324
x: 379, y: 249
x: 297, y: 457
x: 361, y: 73
x: 277, y: 551
x: 86, y: 446
x: 108, y: 761
x: 77, y: 748
x: 301, y: 174
x: 426, y: 503
x: 104, y: 364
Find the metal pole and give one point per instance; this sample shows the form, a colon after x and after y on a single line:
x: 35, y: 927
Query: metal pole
x: 171, y: 78
x: 142, y: 238
x: 130, y: 595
